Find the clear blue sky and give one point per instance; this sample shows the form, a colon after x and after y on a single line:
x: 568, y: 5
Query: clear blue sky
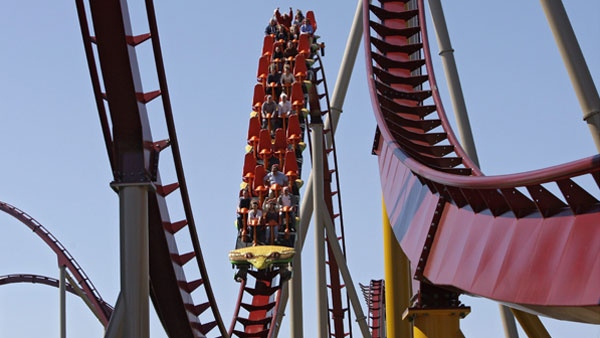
x: 522, y: 108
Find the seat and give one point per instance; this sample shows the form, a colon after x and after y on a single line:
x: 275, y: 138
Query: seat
x: 265, y: 150
x: 283, y: 117
x: 303, y: 45
x: 278, y: 63
x: 310, y: 15
x: 300, y: 70
x: 258, y: 98
x: 297, y: 97
x: 286, y: 88
x: 280, y: 144
x: 293, y: 127
x: 244, y: 225
x: 263, y: 69
x: 268, y: 41
x: 273, y: 89
x: 276, y: 189
x: 254, y: 224
x: 258, y: 186
x: 248, y: 169
x: 286, y: 211
x: 290, y: 167
x: 294, y: 133
x: 272, y: 224
x: 254, y: 134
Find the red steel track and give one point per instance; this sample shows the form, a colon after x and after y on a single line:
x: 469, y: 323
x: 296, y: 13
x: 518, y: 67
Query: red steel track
x: 122, y: 104
x: 529, y: 240
x: 101, y: 309
x: 375, y: 297
x: 35, y: 279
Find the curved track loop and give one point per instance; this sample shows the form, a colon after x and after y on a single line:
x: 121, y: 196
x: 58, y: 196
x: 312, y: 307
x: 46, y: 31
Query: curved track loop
x: 527, y: 240
x: 92, y: 297
x: 134, y: 157
x: 340, y: 324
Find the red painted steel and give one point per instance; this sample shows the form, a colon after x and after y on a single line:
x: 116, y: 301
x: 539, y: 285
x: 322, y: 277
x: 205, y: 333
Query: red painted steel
x: 134, y: 158
x: 507, y: 238
x: 102, y: 309
x: 375, y: 297
x: 36, y: 279
x: 341, y: 318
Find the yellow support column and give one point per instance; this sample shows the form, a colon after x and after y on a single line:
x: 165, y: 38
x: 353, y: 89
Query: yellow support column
x: 437, y: 323
x: 397, y: 283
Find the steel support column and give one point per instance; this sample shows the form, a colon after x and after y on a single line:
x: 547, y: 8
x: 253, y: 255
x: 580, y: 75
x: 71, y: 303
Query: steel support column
x: 349, y: 59
x: 531, y: 324
x: 295, y: 293
x: 317, y: 183
x: 63, y: 306
x: 132, y: 317
x: 454, y: 87
x: 582, y: 80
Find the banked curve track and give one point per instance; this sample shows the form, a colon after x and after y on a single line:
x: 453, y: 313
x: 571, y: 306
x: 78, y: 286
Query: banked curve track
x: 528, y: 240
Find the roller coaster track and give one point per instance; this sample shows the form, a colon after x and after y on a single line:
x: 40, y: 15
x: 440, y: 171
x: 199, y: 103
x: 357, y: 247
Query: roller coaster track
x: 375, y: 297
x: 70, y: 286
x: 123, y: 107
x: 260, y: 304
x: 528, y: 240
x: 88, y: 291
x: 35, y: 279
x: 338, y: 304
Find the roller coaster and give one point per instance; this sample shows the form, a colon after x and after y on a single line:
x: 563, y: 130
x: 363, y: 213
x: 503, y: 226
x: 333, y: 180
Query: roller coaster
x: 505, y: 238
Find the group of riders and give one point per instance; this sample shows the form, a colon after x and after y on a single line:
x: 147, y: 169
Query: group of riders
x: 267, y: 212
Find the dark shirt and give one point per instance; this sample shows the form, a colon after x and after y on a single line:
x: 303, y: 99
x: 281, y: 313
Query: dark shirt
x: 291, y: 51
x: 278, y: 55
x: 271, y: 29
x: 273, y: 77
x: 272, y: 216
x: 282, y: 36
x: 244, y: 203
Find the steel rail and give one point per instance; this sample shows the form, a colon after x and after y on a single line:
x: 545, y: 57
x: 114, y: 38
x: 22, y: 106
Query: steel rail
x: 34, y: 279
x: 340, y: 324
x: 70, y: 286
x: 174, y: 145
x: 100, y: 308
x: 134, y: 157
